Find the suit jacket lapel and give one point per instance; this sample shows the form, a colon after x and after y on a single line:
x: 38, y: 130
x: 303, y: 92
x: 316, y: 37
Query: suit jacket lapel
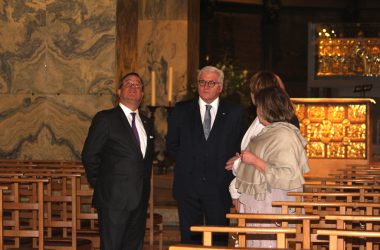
x: 196, y: 121
x: 217, y: 127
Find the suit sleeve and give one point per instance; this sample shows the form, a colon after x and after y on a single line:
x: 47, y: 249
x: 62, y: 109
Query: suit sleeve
x: 173, y: 136
x: 92, y: 149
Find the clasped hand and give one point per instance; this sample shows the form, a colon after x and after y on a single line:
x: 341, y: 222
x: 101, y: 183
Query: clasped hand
x: 248, y: 158
x: 230, y: 162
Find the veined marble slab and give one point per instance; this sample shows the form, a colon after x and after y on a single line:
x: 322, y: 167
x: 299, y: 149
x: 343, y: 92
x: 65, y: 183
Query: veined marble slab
x: 57, y: 70
x: 47, y: 127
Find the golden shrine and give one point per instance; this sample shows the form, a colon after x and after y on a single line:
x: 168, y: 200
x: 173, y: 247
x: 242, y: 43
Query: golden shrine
x: 338, y: 131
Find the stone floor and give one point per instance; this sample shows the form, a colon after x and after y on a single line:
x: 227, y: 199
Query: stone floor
x: 171, y: 237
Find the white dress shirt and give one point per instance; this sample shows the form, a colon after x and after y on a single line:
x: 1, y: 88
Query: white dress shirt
x: 252, y: 131
x: 139, y: 126
x: 213, y: 110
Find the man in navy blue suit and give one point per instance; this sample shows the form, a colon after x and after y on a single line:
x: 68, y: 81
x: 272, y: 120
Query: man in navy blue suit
x: 117, y: 156
x: 202, y: 135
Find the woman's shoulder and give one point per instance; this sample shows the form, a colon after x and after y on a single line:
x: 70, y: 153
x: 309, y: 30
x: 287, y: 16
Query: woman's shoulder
x: 286, y: 132
x: 282, y: 127
x: 280, y: 131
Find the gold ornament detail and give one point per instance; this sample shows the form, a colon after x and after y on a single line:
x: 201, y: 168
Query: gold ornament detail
x: 334, y: 131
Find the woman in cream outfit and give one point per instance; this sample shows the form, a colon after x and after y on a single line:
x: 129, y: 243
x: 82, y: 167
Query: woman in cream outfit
x: 272, y: 161
x: 260, y: 80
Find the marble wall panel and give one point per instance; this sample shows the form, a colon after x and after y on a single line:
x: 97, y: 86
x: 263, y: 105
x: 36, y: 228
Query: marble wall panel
x: 47, y: 127
x: 22, y: 45
x: 99, y: 73
x: 163, y: 44
x: 57, y: 69
x: 81, y: 42
x: 27, y: 76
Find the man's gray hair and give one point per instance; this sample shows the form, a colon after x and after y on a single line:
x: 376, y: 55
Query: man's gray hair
x: 213, y: 69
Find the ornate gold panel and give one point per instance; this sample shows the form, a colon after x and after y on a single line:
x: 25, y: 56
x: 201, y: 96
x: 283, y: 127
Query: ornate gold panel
x: 335, y: 128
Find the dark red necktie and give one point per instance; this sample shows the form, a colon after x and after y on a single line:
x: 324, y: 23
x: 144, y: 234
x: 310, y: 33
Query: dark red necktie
x: 134, y: 128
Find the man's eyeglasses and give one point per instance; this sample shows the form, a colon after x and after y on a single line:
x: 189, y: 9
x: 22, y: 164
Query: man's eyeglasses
x: 130, y: 84
x: 210, y: 84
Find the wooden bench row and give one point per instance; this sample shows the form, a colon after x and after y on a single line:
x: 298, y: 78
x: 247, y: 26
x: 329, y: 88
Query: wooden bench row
x: 86, y: 216
x: 33, y: 209
x: 287, y: 234
x: 329, y: 199
x: 67, y: 203
x: 367, y: 191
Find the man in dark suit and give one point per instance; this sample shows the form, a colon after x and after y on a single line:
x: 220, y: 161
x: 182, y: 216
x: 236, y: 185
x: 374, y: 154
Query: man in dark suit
x: 117, y: 156
x: 203, y: 134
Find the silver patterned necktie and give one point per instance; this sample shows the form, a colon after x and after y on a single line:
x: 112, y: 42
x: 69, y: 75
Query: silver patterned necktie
x: 207, y: 121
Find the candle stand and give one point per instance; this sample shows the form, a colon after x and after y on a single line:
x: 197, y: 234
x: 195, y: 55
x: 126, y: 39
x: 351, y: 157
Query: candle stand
x: 165, y: 164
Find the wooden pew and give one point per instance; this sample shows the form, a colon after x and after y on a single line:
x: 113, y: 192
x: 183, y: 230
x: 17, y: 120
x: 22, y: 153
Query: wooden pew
x: 7, y: 175
x: 60, y: 173
x: 37, y: 168
x: 1, y: 215
x: 342, y: 208
x: 360, y: 176
x: 199, y: 247
x: 340, y: 188
x: 24, y: 161
x: 278, y: 231
x: 340, y: 172
x: 301, y: 222
x: 368, y: 223
x: 86, y: 215
x: 84, y: 191
x: 361, y: 189
x: 334, y: 234
x: 61, y: 210
x: 335, y: 196
x: 327, y: 208
x: 368, y: 165
x: 15, y: 204
x: 334, y: 180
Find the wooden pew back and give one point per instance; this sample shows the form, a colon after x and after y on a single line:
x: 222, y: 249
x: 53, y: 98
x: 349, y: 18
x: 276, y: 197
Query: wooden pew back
x: 17, y: 203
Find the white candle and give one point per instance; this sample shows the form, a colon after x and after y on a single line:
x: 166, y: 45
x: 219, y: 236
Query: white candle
x: 153, y: 97
x: 170, y: 86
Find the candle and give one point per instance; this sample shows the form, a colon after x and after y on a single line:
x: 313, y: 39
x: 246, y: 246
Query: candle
x: 170, y: 86
x: 153, y: 97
